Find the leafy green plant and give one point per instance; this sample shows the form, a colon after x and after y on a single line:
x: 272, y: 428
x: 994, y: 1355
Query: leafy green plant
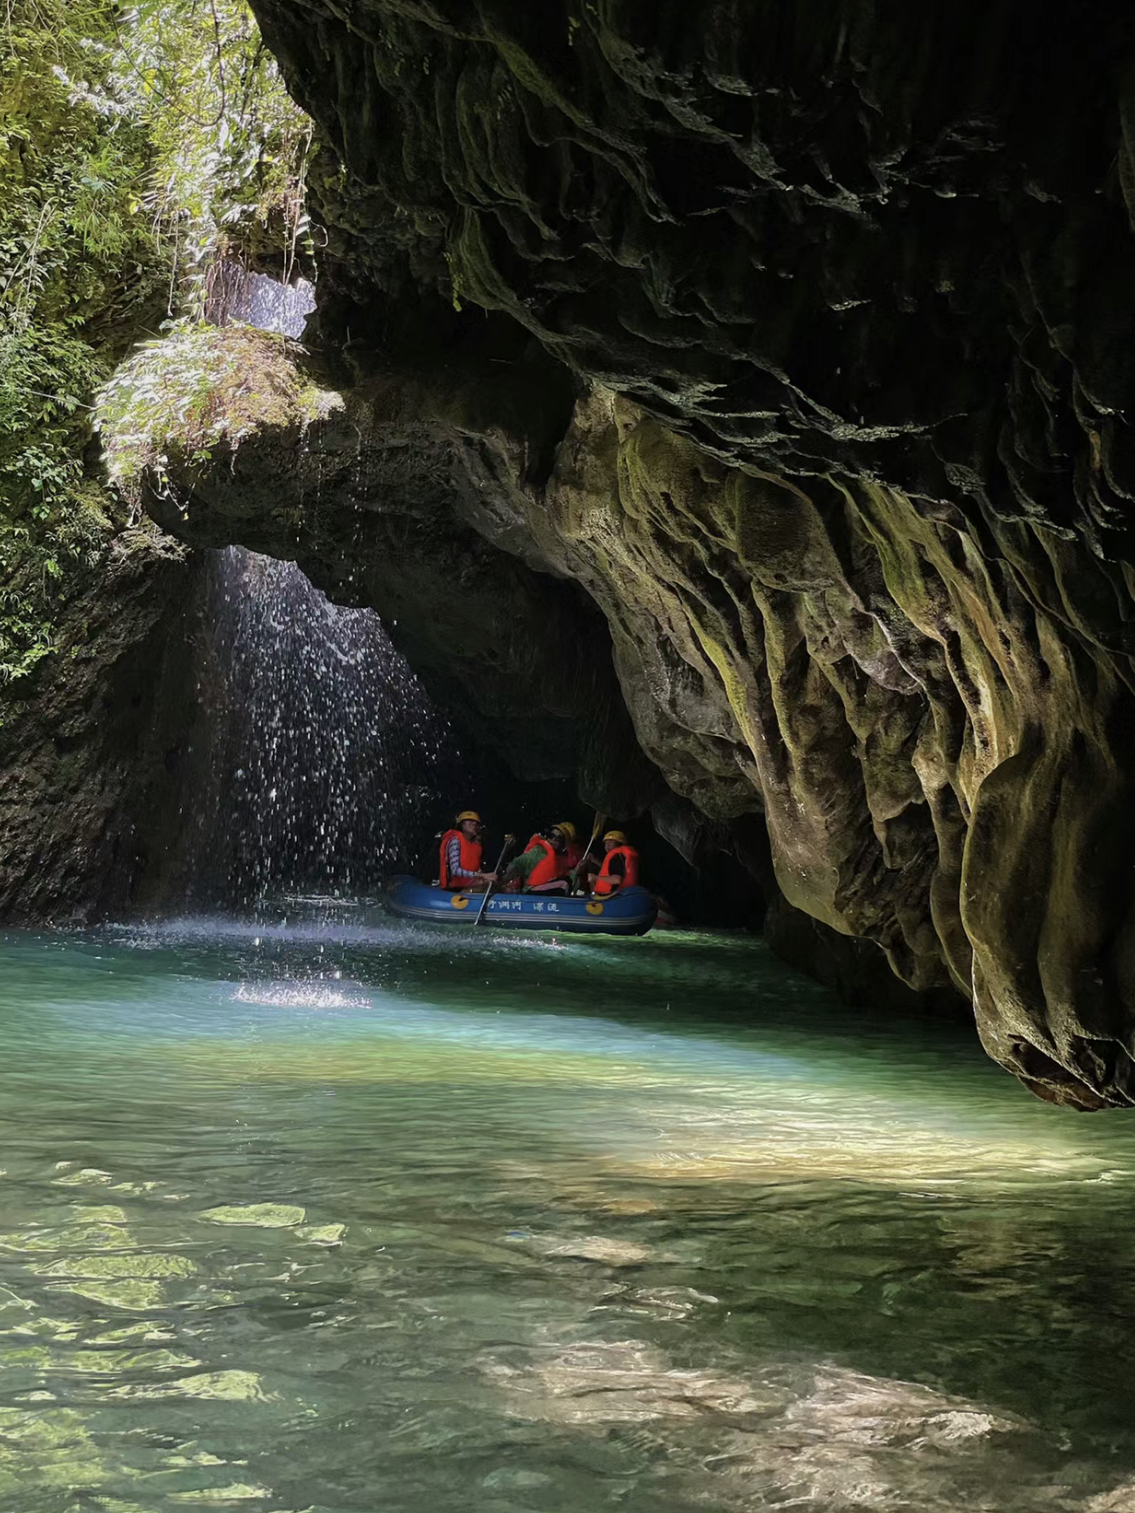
x: 140, y: 144
x: 229, y: 145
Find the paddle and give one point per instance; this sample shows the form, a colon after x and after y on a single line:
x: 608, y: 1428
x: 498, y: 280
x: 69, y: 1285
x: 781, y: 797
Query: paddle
x: 600, y: 819
x: 508, y: 840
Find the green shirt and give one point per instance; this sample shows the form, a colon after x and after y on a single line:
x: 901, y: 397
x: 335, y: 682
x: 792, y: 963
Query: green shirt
x: 522, y: 866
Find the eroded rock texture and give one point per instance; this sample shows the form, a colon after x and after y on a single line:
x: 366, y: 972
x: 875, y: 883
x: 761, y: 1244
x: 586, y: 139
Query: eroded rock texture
x: 802, y: 340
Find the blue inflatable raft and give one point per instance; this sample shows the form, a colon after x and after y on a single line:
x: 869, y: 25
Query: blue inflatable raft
x: 631, y: 911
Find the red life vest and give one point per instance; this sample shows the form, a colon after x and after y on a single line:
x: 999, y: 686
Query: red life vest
x: 605, y: 883
x: 547, y: 869
x: 571, y: 858
x: 470, y: 859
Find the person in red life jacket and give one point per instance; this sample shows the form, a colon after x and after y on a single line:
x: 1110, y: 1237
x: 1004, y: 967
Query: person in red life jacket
x: 619, y: 868
x: 573, y: 853
x: 459, y: 860
x: 544, y: 864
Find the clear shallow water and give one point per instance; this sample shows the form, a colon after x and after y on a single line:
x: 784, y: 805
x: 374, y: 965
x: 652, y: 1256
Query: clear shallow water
x: 369, y: 1217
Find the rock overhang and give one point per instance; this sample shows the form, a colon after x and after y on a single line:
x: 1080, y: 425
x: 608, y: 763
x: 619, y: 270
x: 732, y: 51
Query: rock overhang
x: 806, y: 355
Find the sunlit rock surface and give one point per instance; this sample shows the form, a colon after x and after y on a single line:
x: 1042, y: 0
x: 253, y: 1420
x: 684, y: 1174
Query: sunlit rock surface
x: 807, y: 350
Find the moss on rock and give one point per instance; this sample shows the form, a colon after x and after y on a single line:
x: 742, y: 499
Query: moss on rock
x: 196, y: 387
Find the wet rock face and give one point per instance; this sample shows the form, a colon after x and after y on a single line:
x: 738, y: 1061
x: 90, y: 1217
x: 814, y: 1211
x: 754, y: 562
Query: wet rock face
x: 817, y: 338
x: 95, y: 745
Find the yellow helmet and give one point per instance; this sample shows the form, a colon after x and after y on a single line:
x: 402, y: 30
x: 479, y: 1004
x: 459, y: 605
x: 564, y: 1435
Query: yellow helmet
x: 616, y: 835
x: 567, y: 829
x: 467, y: 814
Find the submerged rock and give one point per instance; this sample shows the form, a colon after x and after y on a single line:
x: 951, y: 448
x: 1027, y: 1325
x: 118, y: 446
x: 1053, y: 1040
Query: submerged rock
x: 602, y: 1248
x: 257, y: 1215
x: 817, y: 1436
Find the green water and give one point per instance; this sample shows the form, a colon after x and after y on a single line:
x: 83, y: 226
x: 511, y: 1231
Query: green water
x: 376, y: 1218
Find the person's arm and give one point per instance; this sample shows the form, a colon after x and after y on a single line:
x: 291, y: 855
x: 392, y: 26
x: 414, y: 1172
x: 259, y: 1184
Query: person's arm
x: 453, y: 859
x: 521, y: 866
x: 617, y: 873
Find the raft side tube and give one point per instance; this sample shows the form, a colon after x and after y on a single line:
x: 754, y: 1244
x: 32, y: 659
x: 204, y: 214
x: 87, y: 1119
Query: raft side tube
x: 630, y: 911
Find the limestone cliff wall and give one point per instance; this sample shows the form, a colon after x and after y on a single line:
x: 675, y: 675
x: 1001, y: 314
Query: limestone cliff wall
x: 800, y: 341
x: 94, y: 746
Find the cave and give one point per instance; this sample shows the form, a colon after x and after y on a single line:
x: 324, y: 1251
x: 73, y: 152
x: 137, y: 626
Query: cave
x: 747, y: 396
x: 703, y: 426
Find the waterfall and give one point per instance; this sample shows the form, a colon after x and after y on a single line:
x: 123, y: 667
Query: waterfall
x: 327, y: 764
x: 324, y: 762
x: 257, y: 300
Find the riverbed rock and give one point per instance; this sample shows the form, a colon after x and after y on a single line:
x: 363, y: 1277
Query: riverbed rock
x: 802, y: 353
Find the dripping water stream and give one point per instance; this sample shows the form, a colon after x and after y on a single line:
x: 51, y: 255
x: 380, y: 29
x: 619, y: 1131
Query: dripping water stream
x: 327, y: 764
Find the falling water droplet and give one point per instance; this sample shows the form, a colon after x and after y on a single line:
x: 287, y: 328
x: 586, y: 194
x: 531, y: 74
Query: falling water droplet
x: 341, y: 763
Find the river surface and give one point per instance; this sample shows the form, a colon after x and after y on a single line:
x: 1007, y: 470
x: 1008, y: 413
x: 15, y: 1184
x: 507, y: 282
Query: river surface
x: 372, y: 1217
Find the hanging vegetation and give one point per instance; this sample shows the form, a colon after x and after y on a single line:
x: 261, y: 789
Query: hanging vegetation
x: 138, y: 147
x: 201, y: 384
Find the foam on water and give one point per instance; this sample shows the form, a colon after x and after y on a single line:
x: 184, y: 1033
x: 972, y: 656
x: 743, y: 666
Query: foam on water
x: 329, y: 929
x: 298, y: 995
